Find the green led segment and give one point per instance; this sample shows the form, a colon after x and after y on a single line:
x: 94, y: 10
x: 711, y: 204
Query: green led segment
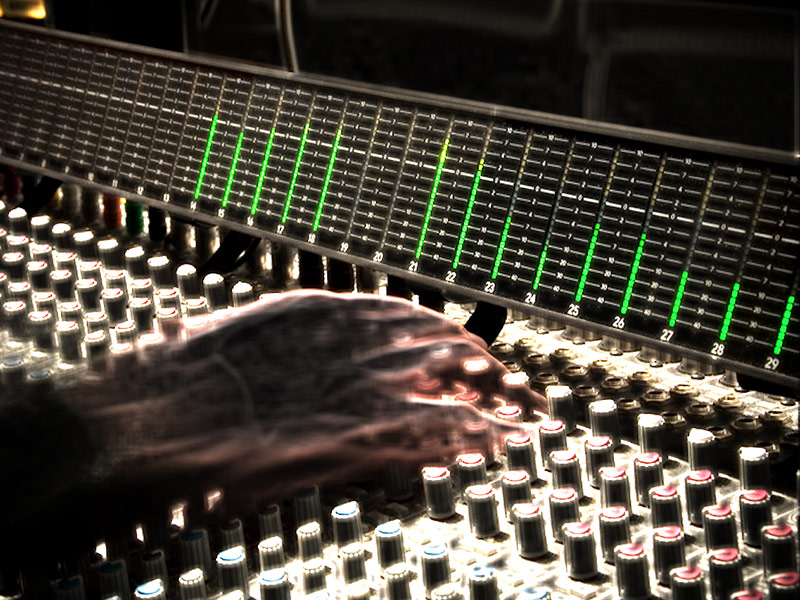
x: 726, y: 322
x: 432, y: 198
x: 296, y: 170
x: 501, y: 247
x: 204, y: 164
x: 676, y: 306
x: 632, y: 277
x: 262, y: 173
x: 232, y: 172
x: 327, y: 180
x: 787, y: 313
x: 587, y: 263
x: 540, y: 268
x: 468, y: 215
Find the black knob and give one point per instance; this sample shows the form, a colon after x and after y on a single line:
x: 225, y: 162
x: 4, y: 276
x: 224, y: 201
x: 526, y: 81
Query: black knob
x: 143, y: 313
x: 154, y: 566
x: 563, y: 509
x: 471, y: 469
x: 482, y: 508
x: 566, y: 470
x: 114, y: 579
x: 69, y: 341
x: 648, y: 472
x: 614, y: 487
x: 552, y: 437
x: 111, y: 254
x: 665, y: 506
x: 270, y: 553
x: 516, y: 489
x: 41, y: 327
x: 633, y: 574
x: 615, y: 529
x: 90, y: 269
x: 309, y: 541
x: 88, y: 294
x: 115, y: 302
x: 151, y: 589
x: 314, y: 575
x: 509, y: 412
x: 242, y: 294
x: 389, y: 543
x: 63, y: 282
x: 755, y: 511
x: 188, y: 283
x: 71, y: 589
x: 599, y: 453
x: 520, y: 454
x: 18, y: 223
x: 699, y: 492
x: 66, y: 260
x: 561, y: 406
x: 651, y: 430
x: 159, y: 268
x: 604, y: 420
x: 38, y: 275
x: 438, y: 488
x: 62, y: 237
x: 44, y: 301
x: 687, y: 584
x: 346, y: 520
x: 232, y: 569
x: 482, y: 583
x: 725, y: 572
x: 720, y: 527
x: 669, y: 551
x: 580, y: 551
x: 274, y: 584
x: 215, y: 292
x: 435, y: 566
x: 779, y: 547
x: 195, y: 552
x: 754, y: 469
x: 397, y: 579
x: 13, y: 264
x: 529, y: 530
x: 784, y: 586
x: 701, y: 446
x: 85, y: 245
x: 40, y: 229
x: 354, y: 564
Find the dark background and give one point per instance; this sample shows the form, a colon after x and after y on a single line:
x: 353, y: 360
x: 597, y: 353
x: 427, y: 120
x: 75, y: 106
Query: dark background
x: 719, y: 70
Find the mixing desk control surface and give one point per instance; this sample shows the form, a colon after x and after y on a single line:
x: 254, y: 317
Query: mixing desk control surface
x: 647, y: 270
x: 674, y: 247
x: 641, y: 480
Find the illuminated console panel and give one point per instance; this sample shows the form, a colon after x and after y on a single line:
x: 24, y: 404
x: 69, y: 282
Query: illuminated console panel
x: 671, y: 246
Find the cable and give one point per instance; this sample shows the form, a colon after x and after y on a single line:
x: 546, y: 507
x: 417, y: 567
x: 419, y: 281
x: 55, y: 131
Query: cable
x: 486, y: 321
x: 40, y: 195
x: 283, y: 20
x: 234, y: 249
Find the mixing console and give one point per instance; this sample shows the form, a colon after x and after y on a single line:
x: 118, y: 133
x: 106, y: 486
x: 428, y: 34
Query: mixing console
x: 645, y: 272
x: 669, y: 246
x: 556, y: 511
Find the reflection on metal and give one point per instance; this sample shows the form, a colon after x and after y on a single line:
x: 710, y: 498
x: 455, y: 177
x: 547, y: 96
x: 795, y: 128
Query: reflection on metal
x: 23, y: 9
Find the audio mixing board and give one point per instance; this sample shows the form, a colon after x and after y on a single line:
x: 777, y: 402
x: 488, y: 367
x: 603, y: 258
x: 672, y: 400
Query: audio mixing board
x: 644, y: 271
x: 665, y: 245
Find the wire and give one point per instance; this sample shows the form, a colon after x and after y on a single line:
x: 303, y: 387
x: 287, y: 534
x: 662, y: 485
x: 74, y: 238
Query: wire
x: 283, y: 20
x: 39, y: 196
